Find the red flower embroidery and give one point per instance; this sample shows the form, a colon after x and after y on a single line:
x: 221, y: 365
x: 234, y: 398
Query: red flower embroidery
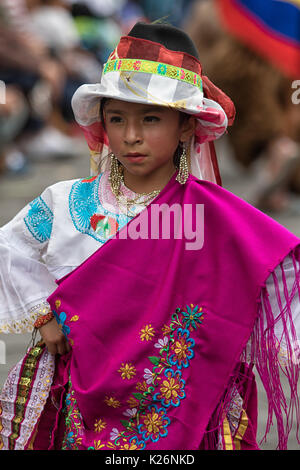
x: 95, y: 219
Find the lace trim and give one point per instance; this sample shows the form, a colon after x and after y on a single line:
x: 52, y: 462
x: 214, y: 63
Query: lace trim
x: 25, y: 323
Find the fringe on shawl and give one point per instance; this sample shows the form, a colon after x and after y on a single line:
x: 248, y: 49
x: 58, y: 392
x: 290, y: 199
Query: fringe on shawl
x: 274, y: 349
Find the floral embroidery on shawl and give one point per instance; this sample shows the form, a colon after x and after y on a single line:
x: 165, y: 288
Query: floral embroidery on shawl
x: 39, y: 220
x: 164, y: 387
x: 146, y: 420
x: 74, y: 434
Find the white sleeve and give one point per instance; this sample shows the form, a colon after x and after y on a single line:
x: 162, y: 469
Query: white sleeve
x: 25, y: 282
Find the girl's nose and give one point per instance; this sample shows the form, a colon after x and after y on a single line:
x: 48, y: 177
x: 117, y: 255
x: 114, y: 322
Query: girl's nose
x: 133, y: 134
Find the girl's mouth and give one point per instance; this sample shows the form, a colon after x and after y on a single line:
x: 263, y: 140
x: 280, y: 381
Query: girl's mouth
x: 135, y: 157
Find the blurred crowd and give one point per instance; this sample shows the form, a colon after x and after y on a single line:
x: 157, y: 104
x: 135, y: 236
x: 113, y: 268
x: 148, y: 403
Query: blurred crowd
x: 50, y: 47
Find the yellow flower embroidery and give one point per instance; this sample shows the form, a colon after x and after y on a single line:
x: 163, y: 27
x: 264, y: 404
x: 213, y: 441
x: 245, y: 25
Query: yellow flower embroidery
x: 153, y: 422
x: 142, y: 386
x: 147, y: 333
x: 129, y: 446
x: 57, y: 303
x: 169, y: 389
x: 111, y: 445
x: 74, y: 318
x: 99, y: 425
x: 133, y: 402
x: 166, y: 330
x: 98, y: 445
x: 127, y: 371
x: 113, y: 402
x: 180, y: 348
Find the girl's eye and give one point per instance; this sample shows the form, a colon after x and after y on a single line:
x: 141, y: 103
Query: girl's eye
x: 151, y: 119
x: 115, y: 119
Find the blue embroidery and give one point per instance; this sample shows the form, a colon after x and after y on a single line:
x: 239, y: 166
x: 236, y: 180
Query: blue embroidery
x: 39, y: 220
x: 149, y: 430
x: 61, y: 319
x: 84, y: 204
x: 183, y: 338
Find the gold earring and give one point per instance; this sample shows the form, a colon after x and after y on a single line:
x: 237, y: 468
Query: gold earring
x: 115, y: 176
x: 183, y: 170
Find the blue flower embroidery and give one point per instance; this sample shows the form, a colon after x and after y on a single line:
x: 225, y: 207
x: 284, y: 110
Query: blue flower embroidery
x: 171, y: 389
x: 192, y: 316
x: 39, y: 220
x: 61, y: 318
x: 70, y: 440
x: 84, y: 205
x: 154, y: 423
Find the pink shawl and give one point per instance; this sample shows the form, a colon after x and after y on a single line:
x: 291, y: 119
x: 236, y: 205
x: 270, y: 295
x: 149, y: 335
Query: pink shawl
x: 157, y: 330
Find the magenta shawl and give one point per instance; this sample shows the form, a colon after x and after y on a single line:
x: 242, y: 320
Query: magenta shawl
x: 157, y: 330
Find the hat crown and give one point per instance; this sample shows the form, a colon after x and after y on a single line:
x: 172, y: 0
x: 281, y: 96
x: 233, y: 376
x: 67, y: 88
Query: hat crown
x: 170, y: 37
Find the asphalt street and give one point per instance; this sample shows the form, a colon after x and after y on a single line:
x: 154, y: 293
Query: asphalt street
x: 15, y: 192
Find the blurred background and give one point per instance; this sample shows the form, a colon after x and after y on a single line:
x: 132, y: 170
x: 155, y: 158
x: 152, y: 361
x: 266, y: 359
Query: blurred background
x: 48, y: 48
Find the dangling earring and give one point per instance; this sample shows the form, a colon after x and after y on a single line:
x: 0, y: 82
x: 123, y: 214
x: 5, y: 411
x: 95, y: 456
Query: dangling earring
x: 183, y: 170
x: 115, y: 176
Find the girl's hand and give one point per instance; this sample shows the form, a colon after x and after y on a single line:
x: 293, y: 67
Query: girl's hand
x: 54, y: 338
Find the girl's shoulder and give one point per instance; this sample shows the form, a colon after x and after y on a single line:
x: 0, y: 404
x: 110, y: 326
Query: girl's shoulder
x: 63, y: 189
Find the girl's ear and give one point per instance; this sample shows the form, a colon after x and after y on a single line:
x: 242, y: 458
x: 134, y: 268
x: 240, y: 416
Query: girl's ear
x: 188, y: 127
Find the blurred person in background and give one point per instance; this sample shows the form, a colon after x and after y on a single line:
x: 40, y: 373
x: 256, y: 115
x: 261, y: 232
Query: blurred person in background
x: 266, y: 133
x: 13, y: 115
x: 174, y: 11
x: 29, y: 64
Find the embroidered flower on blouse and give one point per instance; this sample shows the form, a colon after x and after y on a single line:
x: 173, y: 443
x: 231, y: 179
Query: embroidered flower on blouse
x: 103, y: 225
x: 147, y: 333
x: 113, y: 402
x: 127, y: 371
x: 99, y: 425
x: 39, y: 220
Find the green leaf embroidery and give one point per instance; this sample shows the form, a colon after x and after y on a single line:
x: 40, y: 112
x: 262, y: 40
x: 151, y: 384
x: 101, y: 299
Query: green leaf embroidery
x: 139, y: 396
x: 125, y: 423
x: 154, y: 359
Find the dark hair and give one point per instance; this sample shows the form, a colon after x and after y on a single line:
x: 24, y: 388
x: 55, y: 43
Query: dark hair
x: 182, y: 118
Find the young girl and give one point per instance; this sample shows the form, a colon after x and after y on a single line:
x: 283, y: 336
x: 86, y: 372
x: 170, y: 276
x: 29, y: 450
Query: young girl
x: 149, y: 340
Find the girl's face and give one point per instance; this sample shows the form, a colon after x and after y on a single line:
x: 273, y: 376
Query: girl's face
x: 144, y: 138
